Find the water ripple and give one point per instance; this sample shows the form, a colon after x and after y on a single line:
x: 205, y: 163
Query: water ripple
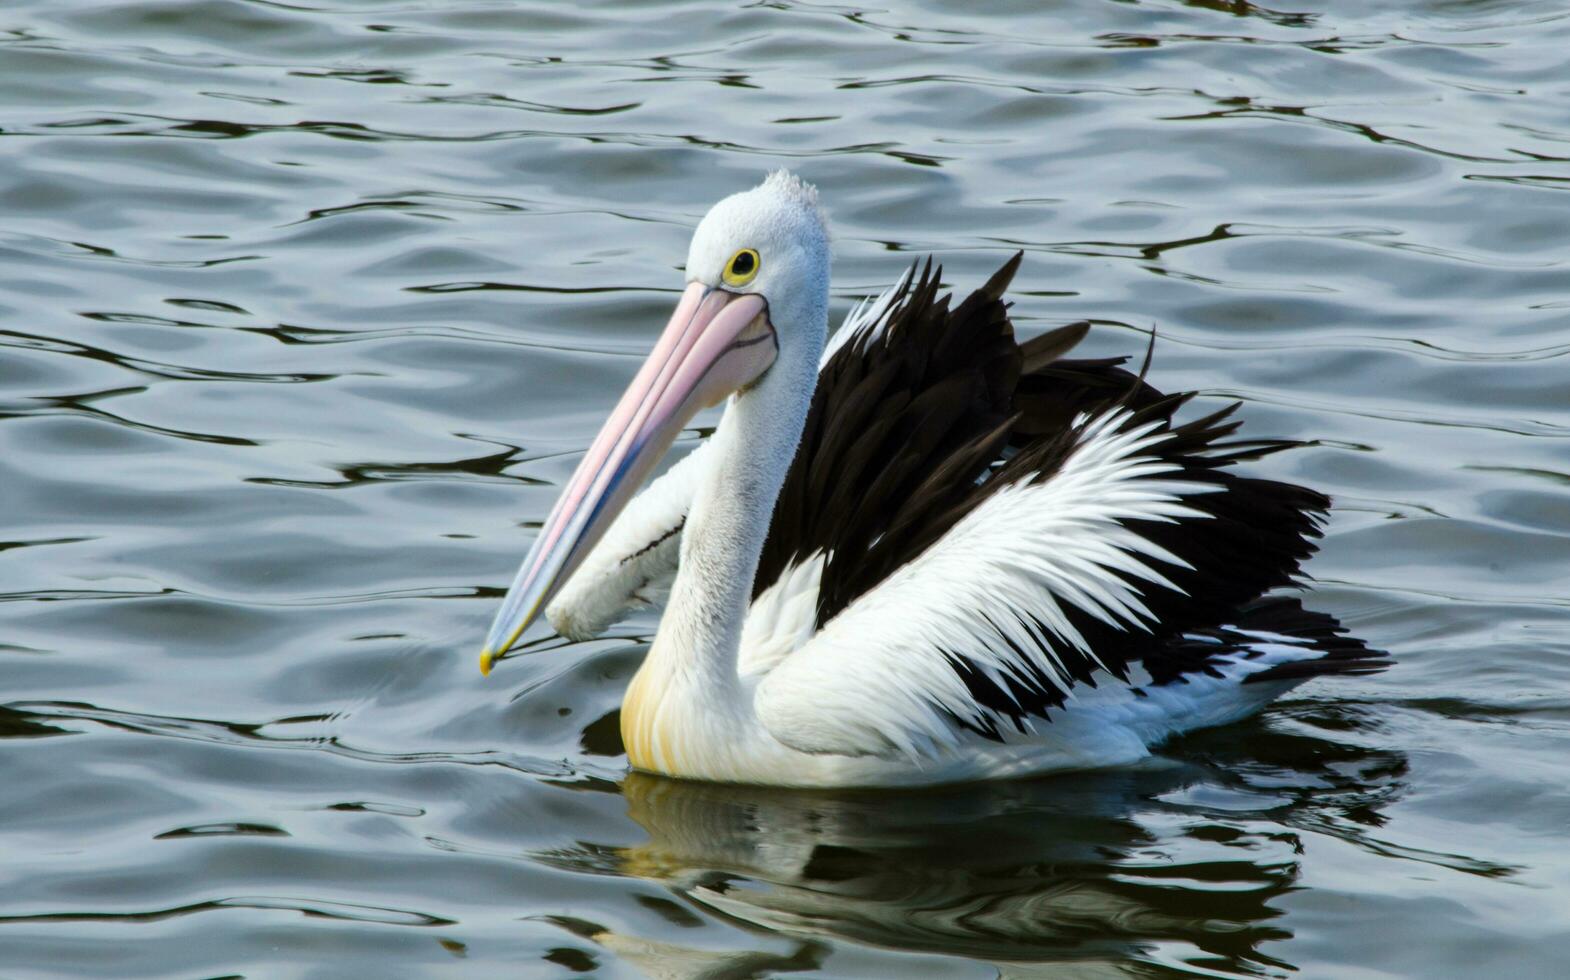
x: 308, y: 308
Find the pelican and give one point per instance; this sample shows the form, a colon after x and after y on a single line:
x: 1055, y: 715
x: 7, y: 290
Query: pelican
x: 920, y: 552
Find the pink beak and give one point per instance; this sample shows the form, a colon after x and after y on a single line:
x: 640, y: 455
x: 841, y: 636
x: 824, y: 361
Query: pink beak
x: 716, y: 342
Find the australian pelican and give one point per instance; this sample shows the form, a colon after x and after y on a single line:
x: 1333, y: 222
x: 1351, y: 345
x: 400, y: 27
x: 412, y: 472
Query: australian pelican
x: 920, y: 551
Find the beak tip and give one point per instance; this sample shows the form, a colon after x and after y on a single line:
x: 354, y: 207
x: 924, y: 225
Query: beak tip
x: 487, y: 661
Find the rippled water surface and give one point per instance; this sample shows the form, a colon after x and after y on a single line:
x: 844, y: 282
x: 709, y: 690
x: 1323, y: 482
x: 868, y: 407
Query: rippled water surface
x: 306, y: 310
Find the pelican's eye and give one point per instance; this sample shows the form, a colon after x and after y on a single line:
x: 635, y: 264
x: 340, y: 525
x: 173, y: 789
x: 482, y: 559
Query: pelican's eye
x: 742, y: 268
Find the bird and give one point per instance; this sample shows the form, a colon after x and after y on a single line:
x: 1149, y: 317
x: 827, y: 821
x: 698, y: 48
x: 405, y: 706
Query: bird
x: 920, y: 551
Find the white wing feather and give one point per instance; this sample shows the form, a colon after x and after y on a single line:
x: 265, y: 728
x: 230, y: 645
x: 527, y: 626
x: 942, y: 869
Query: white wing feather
x: 878, y: 678
x: 867, y: 315
x: 782, y: 619
x: 634, y: 565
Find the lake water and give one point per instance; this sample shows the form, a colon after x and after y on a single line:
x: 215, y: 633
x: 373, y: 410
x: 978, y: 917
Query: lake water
x: 307, y: 308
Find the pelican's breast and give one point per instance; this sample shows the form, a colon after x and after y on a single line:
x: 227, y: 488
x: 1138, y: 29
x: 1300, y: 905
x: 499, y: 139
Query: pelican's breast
x: 671, y: 724
x: 640, y: 711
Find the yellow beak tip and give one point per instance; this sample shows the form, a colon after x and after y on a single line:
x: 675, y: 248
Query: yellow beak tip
x: 487, y: 661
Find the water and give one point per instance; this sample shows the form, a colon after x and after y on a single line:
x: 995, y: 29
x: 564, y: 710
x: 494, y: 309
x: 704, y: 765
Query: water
x: 307, y: 308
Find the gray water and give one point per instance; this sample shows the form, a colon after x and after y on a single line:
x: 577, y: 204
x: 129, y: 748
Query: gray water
x: 307, y: 308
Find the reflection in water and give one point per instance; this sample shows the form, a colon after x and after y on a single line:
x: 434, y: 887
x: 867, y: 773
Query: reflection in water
x: 1180, y: 859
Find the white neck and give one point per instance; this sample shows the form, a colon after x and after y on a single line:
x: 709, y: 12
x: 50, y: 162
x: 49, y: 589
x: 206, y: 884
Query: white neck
x: 690, y: 675
x: 728, y: 522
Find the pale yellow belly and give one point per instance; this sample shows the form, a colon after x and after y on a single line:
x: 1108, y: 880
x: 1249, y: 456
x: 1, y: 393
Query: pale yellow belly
x: 639, y: 713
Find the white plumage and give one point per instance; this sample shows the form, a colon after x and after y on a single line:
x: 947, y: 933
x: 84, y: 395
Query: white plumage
x: 634, y: 564
x: 868, y: 318
x: 876, y: 679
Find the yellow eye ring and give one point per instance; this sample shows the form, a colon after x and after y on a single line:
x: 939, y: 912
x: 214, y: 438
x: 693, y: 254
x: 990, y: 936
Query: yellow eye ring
x: 742, y: 268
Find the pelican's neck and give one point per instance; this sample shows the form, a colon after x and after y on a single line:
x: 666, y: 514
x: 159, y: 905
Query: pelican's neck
x: 700, y: 634
x: 686, y: 703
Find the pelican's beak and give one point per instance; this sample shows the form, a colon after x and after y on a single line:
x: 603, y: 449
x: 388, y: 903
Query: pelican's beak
x: 716, y: 342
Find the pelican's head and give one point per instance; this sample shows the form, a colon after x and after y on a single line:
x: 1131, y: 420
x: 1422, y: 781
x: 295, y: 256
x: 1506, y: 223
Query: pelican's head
x: 757, y: 294
x: 769, y: 242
